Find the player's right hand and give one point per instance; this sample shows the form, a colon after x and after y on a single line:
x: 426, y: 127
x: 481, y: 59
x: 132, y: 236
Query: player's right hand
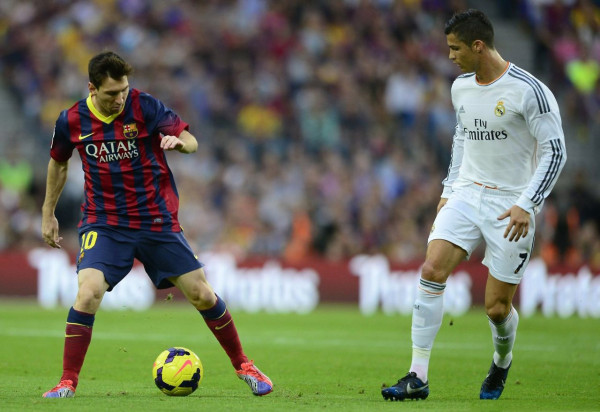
x: 50, y: 232
x: 518, y: 226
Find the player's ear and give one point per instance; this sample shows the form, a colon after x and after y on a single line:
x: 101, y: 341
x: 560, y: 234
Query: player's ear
x: 92, y: 89
x: 477, y: 46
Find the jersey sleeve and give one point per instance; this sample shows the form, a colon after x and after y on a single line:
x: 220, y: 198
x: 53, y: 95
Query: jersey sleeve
x: 61, y: 147
x: 458, y: 145
x: 542, y: 115
x: 159, y: 118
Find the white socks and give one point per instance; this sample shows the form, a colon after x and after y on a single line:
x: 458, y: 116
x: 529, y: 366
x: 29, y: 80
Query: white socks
x: 428, y: 311
x: 503, y: 336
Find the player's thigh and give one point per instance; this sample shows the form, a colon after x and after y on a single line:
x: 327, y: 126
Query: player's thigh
x: 457, y: 223
x: 92, y: 279
x: 166, y: 255
x: 505, y: 259
x: 108, y: 250
x: 441, y: 259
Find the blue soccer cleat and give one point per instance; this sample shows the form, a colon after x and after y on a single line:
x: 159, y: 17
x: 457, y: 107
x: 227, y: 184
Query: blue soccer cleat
x: 493, y: 385
x: 409, y: 387
x: 64, y: 389
x: 256, y: 380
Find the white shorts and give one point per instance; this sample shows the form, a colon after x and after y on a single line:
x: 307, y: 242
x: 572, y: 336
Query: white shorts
x: 470, y: 216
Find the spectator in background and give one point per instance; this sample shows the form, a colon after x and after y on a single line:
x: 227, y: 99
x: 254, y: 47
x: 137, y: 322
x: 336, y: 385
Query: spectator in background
x: 405, y: 94
x: 583, y: 73
x: 16, y: 203
x: 585, y: 18
x: 319, y: 121
x: 16, y: 174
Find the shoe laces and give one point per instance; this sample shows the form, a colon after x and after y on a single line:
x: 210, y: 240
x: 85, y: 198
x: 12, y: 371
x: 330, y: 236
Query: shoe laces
x: 66, y: 382
x: 248, y: 368
x: 495, y: 378
x: 409, y: 376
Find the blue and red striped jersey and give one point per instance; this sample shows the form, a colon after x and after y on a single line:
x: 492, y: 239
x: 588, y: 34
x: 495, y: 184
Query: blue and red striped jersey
x: 128, y: 182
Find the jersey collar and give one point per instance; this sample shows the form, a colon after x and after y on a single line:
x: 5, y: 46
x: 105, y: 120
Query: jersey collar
x: 100, y: 116
x: 496, y: 79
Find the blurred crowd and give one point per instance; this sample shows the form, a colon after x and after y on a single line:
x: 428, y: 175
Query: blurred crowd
x: 566, y: 37
x: 324, y: 126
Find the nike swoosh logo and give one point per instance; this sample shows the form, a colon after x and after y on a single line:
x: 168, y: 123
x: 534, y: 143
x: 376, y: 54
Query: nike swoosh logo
x: 410, y: 389
x: 222, y: 326
x: 186, y: 363
x: 72, y: 336
x: 83, y: 137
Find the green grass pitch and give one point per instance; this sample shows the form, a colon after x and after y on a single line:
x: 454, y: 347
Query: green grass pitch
x: 332, y: 359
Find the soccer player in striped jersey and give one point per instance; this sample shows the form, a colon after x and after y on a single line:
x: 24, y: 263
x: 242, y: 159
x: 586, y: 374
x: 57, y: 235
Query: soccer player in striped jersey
x: 129, y: 211
x: 508, y: 151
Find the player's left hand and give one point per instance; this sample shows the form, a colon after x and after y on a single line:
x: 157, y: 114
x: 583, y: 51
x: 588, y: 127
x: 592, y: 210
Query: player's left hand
x: 169, y: 142
x: 519, y: 223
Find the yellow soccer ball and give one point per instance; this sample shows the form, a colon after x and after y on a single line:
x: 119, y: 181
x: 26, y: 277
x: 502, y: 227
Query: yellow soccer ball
x: 177, y: 371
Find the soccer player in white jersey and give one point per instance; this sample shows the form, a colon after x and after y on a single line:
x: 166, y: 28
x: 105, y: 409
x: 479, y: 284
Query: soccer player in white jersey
x: 507, y: 154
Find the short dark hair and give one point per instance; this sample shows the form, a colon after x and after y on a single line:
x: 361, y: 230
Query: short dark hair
x: 107, y: 64
x: 471, y: 25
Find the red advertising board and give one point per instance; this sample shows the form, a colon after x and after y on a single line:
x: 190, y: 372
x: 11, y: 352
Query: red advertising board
x: 274, y: 286
x: 18, y: 277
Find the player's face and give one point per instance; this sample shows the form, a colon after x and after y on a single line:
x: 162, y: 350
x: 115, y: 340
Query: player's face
x: 110, y: 97
x: 462, y: 54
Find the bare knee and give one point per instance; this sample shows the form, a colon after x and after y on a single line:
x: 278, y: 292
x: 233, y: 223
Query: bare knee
x: 88, y: 298
x: 434, y: 273
x: 498, y: 298
x: 441, y: 259
x: 196, y: 289
x: 92, y: 287
x: 201, y: 296
x: 498, y: 310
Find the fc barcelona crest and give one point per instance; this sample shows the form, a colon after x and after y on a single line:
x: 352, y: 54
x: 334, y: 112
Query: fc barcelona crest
x: 130, y: 130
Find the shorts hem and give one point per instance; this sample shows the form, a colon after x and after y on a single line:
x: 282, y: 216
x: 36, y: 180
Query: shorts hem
x: 165, y: 283
x: 102, y: 267
x: 512, y: 280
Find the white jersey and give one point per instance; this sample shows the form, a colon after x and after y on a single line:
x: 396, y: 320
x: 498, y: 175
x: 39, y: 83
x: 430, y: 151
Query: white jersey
x: 508, y: 136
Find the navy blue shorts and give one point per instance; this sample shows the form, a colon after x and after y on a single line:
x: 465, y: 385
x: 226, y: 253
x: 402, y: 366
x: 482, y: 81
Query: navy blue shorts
x: 112, y: 251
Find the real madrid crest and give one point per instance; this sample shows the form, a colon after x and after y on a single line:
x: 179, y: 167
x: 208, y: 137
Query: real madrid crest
x: 500, y: 109
x: 130, y: 130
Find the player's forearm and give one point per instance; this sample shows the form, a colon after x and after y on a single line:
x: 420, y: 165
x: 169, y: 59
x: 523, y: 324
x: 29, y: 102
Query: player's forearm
x: 55, y: 182
x: 190, y: 144
x: 551, y: 163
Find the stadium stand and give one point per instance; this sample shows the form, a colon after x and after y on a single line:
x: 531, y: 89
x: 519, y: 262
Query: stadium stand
x: 324, y: 126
